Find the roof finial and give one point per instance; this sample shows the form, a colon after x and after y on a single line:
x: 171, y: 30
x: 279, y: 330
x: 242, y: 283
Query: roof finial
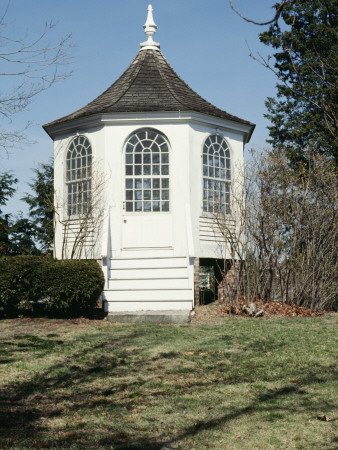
x: 150, y: 28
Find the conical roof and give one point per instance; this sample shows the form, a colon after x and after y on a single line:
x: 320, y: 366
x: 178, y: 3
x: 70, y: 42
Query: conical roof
x: 148, y: 85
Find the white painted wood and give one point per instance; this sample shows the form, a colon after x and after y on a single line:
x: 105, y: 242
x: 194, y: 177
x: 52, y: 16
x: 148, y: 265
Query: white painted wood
x: 147, y: 264
x: 139, y: 263
x: 150, y: 28
x: 155, y: 118
x: 120, y: 306
x: 171, y: 295
x: 139, y: 252
x: 190, y: 236
x: 151, y: 234
x: 138, y: 284
x: 209, y: 229
x: 151, y: 273
x: 146, y: 230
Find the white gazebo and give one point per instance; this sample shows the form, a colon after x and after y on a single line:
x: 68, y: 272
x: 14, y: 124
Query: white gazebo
x: 139, y: 174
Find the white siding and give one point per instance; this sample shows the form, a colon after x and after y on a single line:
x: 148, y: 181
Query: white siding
x: 148, y: 253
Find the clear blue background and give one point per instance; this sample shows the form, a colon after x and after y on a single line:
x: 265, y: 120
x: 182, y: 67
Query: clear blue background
x: 204, y: 41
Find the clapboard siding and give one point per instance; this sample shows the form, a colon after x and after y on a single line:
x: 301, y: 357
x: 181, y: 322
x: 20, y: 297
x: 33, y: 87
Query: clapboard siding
x: 212, y: 230
x: 74, y: 231
x: 159, y: 283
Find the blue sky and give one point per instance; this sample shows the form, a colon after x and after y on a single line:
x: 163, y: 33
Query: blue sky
x: 204, y: 41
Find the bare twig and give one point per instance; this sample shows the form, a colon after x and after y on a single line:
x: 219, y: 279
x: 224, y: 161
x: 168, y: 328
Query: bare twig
x: 329, y: 113
x: 33, y: 65
x: 274, y: 20
x: 284, y: 244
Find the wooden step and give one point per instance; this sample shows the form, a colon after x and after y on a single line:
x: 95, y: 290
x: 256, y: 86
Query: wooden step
x: 138, y: 263
x: 148, y: 273
x: 149, y: 295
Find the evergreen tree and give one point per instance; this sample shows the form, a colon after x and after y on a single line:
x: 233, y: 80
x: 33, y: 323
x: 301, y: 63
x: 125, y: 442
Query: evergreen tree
x: 21, y: 237
x: 41, y: 205
x: 7, y: 189
x: 303, y: 114
x: 7, y: 181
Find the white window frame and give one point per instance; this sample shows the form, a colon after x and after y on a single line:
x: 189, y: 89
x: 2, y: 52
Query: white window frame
x: 135, y: 183
x: 223, y: 181
x: 75, y: 175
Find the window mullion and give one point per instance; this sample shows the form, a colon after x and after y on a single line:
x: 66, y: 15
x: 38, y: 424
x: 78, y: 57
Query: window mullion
x: 78, y: 175
x: 146, y: 162
x: 216, y: 174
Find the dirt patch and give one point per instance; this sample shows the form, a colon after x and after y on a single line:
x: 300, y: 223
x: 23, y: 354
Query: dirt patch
x: 40, y: 326
x: 211, y: 314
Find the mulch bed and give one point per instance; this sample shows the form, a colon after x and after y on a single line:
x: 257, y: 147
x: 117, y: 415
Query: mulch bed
x: 273, y: 308
x: 215, y: 313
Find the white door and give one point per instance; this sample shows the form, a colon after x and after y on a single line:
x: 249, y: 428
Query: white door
x: 147, y: 221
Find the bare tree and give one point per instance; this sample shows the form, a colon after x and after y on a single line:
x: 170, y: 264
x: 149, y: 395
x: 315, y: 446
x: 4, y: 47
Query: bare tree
x: 285, y: 242
x: 33, y: 65
x: 81, y: 220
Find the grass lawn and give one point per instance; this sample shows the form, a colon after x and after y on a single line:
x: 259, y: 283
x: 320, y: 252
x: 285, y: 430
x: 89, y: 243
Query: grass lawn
x: 247, y: 383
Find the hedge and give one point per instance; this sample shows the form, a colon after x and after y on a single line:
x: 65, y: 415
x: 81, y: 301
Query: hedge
x: 39, y: 285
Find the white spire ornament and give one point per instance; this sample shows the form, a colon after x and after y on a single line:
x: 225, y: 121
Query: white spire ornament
x: 150, y: 28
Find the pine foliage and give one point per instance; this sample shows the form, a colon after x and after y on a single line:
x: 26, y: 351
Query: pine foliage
x: 303, y: 114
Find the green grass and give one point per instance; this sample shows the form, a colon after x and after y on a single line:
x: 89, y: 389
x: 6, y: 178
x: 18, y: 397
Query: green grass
x: 253, y: 384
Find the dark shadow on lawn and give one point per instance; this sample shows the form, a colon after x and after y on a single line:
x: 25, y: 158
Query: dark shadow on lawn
x: 20, y: 416
x: 12, y: 350
x: 298, y: 392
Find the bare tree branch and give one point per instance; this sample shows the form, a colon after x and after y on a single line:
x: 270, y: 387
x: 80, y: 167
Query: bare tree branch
x: 80, y: 232
x: 272, y: 21
x: 329, y: 113
x: 33, y: 65
x: 283, y: 247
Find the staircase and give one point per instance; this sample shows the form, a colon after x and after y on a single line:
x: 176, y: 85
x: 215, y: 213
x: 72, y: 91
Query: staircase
x: 149, y: 283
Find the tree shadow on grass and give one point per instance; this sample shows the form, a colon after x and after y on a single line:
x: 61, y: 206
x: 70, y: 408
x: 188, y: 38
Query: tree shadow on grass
x: 67, y: 372
x: 261, y: 404
x: 77, y: 380
x: 12, y: 350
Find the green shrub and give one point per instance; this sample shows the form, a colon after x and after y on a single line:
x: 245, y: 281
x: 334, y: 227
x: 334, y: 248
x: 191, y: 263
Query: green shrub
x: 72, y: 287
x: 39, y: 285
x: 20, y: 283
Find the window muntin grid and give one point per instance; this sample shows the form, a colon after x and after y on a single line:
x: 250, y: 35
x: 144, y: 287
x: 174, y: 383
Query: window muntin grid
x: 216, y: 175
x: 78, y: 176
x: 147, y: 172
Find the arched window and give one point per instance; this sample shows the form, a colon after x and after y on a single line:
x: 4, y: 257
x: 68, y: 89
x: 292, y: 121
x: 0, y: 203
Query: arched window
x: 78, y: 176
x: 216, y: 175
x: 147, y: 172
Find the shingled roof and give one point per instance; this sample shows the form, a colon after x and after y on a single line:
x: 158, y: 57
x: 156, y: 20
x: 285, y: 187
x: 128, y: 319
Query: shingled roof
x: 149, y: 84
